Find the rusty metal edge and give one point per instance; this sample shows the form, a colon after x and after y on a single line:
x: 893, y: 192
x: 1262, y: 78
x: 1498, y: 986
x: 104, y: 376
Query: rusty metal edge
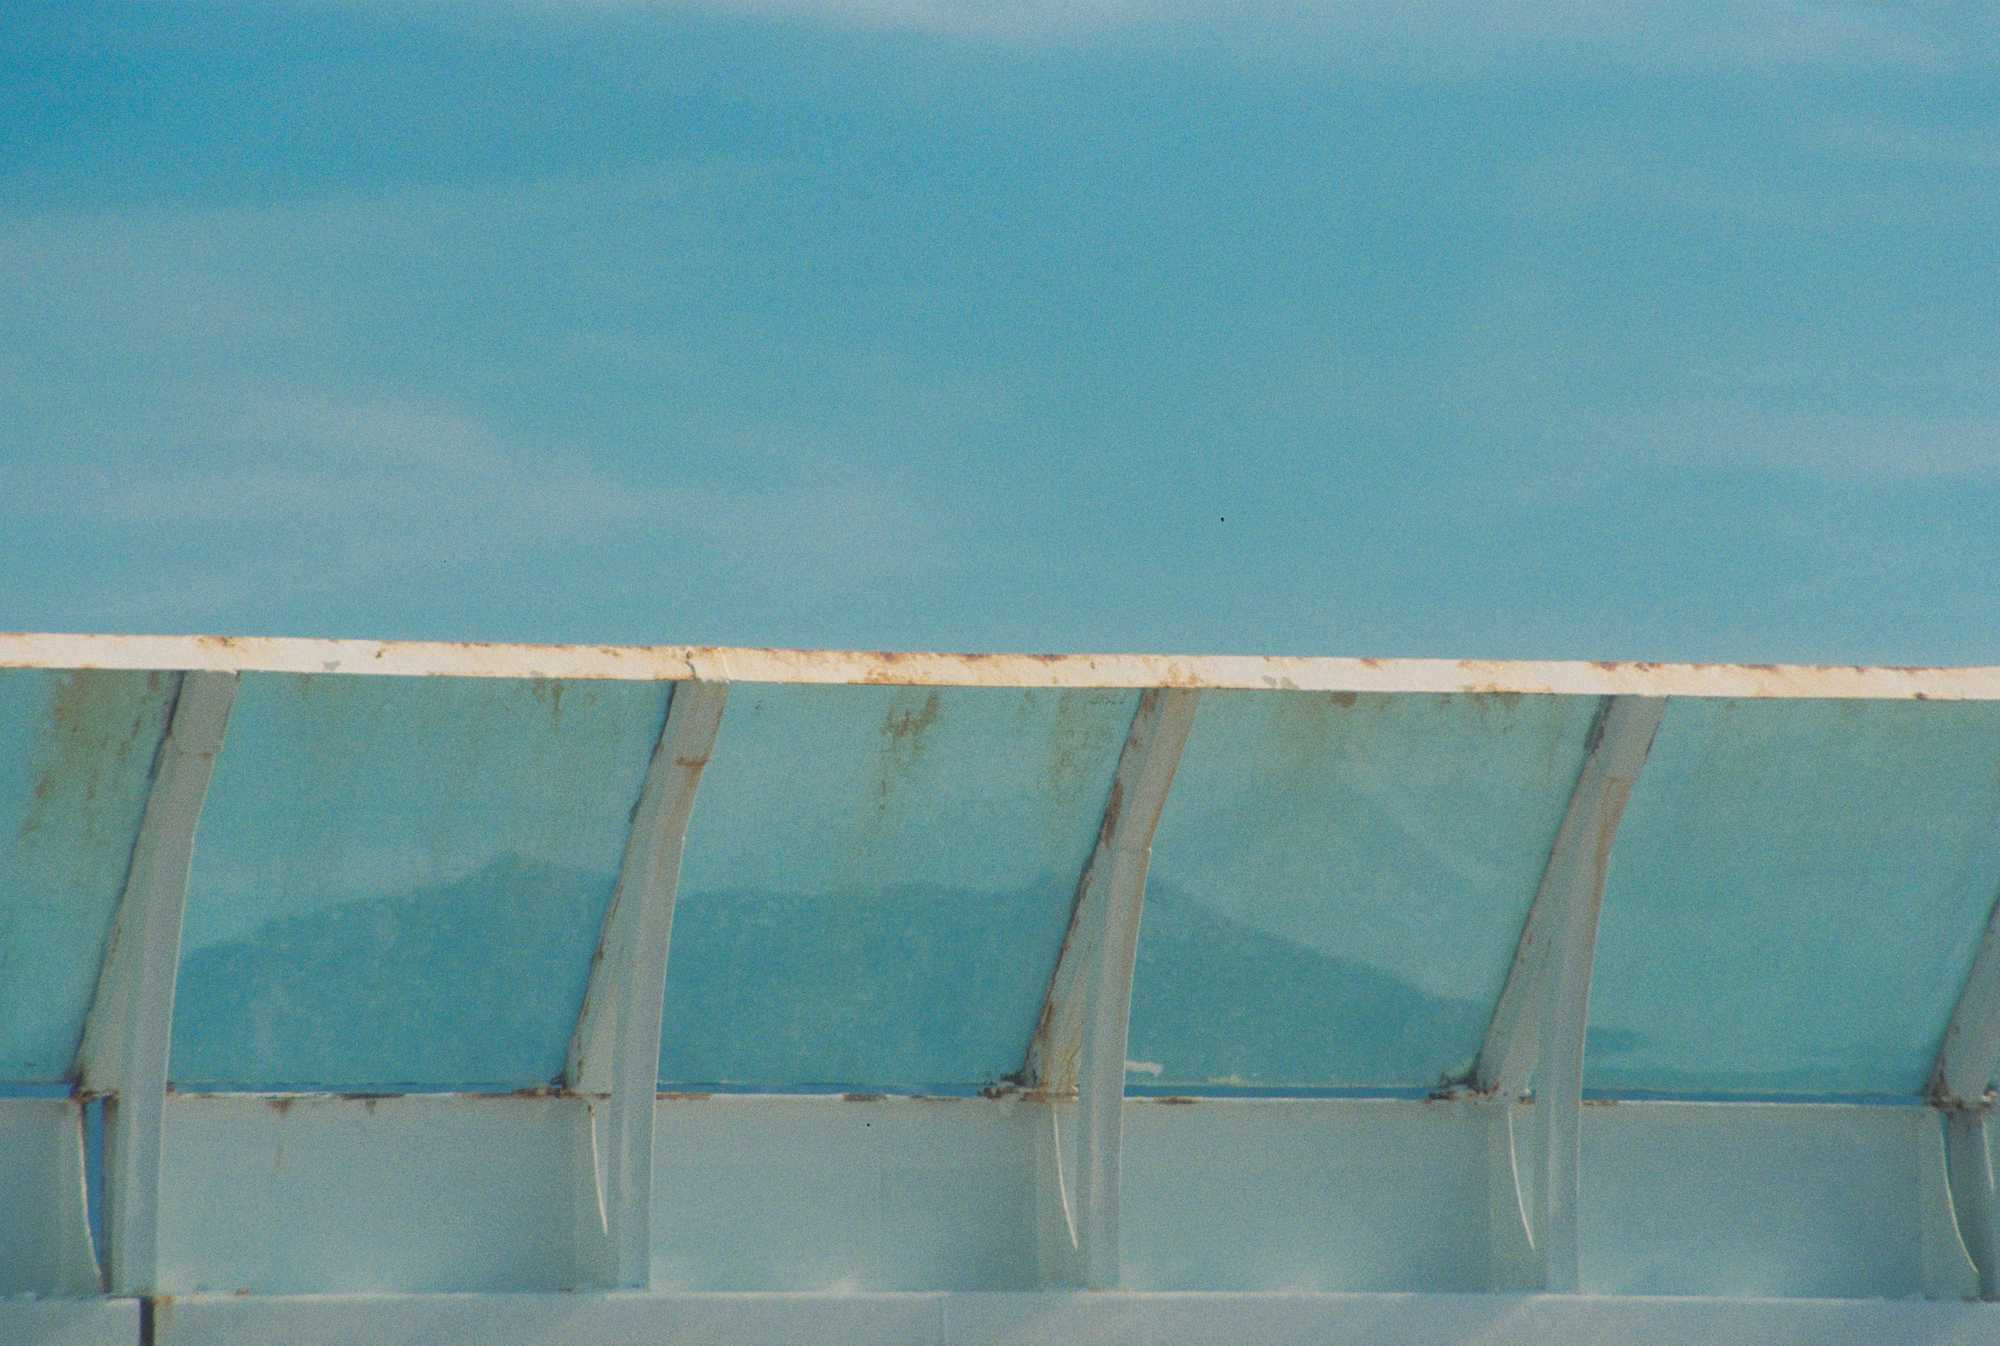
x: 656, y: 663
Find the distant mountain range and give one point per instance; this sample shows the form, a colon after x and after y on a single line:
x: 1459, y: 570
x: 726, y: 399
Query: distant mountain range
x: 477, y: 983
x: 473, y: 982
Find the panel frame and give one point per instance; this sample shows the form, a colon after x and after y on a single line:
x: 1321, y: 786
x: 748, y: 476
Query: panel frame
x: 1537, y: 1030
x: 1541, y: 1020
x: 74, y: 1322
x: 1969, y: 1058
x: 1081, y: 1034
x: 669, y: 663
x: 1974, y: 1192
x: 128, y: 1033
x: 614, y: 1053
x: 272, y: 1195
x: 1112, y: 1318
x: 45, y: 1237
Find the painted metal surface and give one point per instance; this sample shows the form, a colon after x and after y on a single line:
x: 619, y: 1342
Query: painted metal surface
x: 435, y: 969
x: 1975, y: 1193
x: 837, y: 1195
x: 71, y: 1322
x: 1079, y: 1043
x: 422, y: 1193
x: 45, y: 1243
x: 1573, y: 884
x: 615, y: 1050
x: 1578, y: 865
x: 650, y: 663
x: 1750, y: 1200
x: 1970, y: 1057
x: 823, y: 1194
x: 1308, y: 1195
x: 1063, y: 1320
x: 129, y: 1028
x: 1538, y: 1029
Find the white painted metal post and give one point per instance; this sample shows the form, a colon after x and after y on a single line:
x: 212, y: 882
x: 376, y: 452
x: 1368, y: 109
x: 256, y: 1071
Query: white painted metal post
x: 1961, y: 1082
x: 1970, y: 1056
x: 1538, y: 1027
x: 129, y: 1030
x: 615, y: 1049
x: 1513, y: 1036
x: 1080, y: 1043
x: 1975, y: 1197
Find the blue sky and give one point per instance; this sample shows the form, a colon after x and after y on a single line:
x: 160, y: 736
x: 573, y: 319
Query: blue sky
x: 1531, y: 330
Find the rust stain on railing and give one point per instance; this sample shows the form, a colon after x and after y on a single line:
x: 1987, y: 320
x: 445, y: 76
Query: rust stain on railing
x: 1604, y: 677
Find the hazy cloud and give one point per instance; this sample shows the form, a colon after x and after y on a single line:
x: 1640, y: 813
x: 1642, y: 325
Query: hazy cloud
x: 1445, y: 35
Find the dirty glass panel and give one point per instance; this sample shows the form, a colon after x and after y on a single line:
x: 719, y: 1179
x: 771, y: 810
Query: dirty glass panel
x: 1796, y: 897
x: 76, y: 761
x: 878, y: 880
x: 1339, y: 883
x: 399, y: 882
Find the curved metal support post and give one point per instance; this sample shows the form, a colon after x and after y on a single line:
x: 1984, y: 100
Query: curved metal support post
x: 1513, y: 1036
x: 615, y: 1050
x: 1975, y: 1196
x: 1080, y: 1041
x: 1961, y: 1085
x: 1970, y: 1056
x: 1538, y: 1026
x: 129, y: 1030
